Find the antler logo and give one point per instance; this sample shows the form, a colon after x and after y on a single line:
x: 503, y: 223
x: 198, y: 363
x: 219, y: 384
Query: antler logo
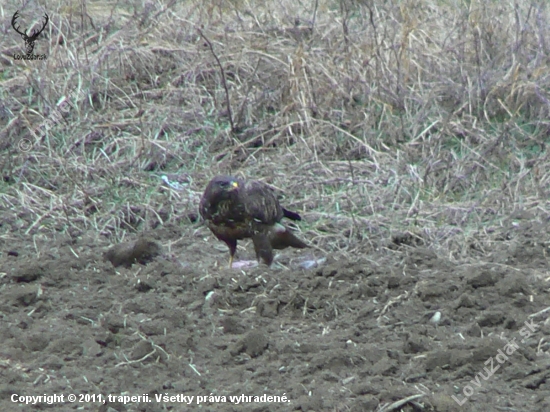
x: 29, y: 40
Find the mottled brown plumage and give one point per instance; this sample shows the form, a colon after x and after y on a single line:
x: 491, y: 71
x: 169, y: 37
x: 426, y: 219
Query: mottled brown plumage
x: 237, y: 209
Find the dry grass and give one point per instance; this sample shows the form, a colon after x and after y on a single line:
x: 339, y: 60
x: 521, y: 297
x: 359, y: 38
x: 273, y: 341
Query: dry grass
x: 427, y: 118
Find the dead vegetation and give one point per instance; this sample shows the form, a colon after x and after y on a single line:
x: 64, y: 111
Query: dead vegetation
x: 418, y: 120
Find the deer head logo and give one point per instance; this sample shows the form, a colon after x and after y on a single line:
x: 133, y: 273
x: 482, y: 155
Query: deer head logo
x: 29, y: 40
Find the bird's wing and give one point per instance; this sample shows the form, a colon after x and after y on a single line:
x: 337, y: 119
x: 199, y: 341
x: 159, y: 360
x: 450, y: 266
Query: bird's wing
x: 261, y: 203
x: 204, y: 207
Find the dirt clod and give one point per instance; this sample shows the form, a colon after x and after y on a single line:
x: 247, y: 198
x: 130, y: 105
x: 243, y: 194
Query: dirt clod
x: 126, y: 254
x: 26, y: 273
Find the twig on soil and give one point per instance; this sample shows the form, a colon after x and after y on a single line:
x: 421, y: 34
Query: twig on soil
x: 155, y: 346
x: 533, y: 315
x: 541, y: 341
x: 194, y: 369
x: 398, y: 404
x: 392, y: 302
x: 137, y: 360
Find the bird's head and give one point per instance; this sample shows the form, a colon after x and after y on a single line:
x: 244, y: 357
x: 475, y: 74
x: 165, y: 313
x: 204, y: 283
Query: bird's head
x: 223, y: 187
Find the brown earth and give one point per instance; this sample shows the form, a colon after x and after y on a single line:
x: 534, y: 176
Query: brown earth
x: 348, y: 335
x: 412, y: 137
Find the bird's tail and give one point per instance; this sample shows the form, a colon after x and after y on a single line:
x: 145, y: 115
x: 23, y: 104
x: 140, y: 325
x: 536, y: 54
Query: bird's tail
x: 291, y: 215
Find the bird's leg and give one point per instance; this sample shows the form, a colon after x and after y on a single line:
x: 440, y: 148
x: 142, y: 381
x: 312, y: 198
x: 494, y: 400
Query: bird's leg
x: 239, y: 264
x: 263, y: 248
x: 232, y: 245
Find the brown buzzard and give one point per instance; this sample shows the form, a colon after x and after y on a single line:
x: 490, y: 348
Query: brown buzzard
x: 237, y: 209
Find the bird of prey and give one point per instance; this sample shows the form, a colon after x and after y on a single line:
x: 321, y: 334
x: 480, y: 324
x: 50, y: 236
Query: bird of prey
x: 236, y: 209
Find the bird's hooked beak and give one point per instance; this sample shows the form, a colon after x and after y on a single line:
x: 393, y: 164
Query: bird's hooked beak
x: 233, y: 186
